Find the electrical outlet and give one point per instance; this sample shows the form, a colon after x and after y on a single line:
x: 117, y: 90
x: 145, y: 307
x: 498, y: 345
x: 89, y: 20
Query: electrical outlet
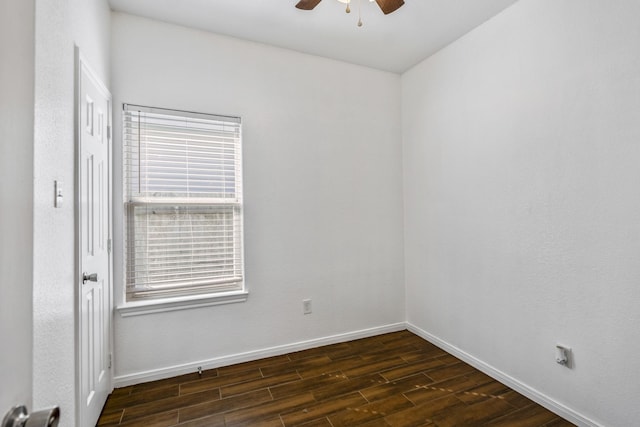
x: 306, y: 306
x: 563, y: 354
x: 57, y: 185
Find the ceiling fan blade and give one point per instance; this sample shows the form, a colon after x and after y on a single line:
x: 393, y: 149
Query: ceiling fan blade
x: 307, y: 4
x: 389, y: 6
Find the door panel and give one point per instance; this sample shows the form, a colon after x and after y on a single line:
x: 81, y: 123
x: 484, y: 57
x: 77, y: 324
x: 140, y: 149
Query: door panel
x: 94, y: 284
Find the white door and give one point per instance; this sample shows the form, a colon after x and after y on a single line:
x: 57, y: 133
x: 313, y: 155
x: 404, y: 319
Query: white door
x: 16, y: 202
x: 93, y: 240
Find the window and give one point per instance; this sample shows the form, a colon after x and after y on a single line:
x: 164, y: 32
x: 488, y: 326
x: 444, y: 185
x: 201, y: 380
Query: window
x: 183, y: 203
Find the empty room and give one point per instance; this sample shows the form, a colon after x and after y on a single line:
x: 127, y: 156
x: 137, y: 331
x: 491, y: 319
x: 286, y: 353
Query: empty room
x: 320, y: 213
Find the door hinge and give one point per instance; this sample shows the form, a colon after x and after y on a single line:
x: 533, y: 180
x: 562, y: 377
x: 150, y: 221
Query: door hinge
x: 108, y: 131
x: 110, y: 360
x: 109, y: 245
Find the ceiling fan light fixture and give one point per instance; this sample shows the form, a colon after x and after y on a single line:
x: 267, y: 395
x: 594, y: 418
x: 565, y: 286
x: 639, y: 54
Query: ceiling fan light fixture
x: 387, y: 6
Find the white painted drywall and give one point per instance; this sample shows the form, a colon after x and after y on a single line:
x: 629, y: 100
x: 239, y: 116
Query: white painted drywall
x: 522, y: 199
x: 17, y: 48
x: 322, y: 187
x: 59, y: 25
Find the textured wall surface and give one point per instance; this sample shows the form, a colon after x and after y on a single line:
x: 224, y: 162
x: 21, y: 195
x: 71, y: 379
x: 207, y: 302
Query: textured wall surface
x: 322, y: 190
x: 16, y: 200
x: 59, y: 26
x: 521, y: 166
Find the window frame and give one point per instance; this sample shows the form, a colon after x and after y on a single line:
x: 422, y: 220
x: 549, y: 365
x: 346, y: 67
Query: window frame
x: 184, y: 296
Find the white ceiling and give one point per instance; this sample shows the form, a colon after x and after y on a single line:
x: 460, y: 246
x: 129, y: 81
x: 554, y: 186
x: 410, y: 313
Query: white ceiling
x: 393, y: 42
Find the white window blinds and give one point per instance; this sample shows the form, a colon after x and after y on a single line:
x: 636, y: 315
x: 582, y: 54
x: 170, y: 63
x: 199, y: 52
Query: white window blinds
x: 183, y: 202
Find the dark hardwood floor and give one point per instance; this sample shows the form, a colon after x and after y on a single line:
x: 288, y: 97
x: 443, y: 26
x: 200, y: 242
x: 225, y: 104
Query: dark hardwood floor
x: 396, y: 379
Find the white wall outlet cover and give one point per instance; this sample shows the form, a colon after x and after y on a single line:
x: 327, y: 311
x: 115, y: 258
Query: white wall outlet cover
x: 562, y: 354
x: 306, y: 306
x: 57, y: 185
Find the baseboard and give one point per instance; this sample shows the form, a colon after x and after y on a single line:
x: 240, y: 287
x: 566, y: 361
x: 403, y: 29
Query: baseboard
x: 531, y: 393
x: 172, y: 371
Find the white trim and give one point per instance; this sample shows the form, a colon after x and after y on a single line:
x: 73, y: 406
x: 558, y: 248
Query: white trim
x: 180, y: 303
x: 533, y: 394
x: 172, y: 371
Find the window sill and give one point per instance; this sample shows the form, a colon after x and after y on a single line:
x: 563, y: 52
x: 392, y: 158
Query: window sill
x: 180, y: 303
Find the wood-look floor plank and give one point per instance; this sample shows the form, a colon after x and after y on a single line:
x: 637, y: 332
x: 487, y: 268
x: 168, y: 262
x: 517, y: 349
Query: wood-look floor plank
x: 268, y: 410
x: 257, y: 384
x: 422, y: 414
x: 210, y: 421
x: 323, y: 409
x: 378, y: 422
x: 320, y: 422
x: 338, y: 365
x: 355, y: 384
x: 275, y: 422
x: 122, y: 391
x: 319, y: 351
x: 205, y: 409
x: 482, y: 392
x: 391, y: 380
x: 389, y: 389
x: 472, y: 415
x: 559, y: 422
x: 450, y: 371
x: 110, y: 418
x: 354, y: 416
x: 219, y: 381
x: 354, y: 348
x: 370, y: 367
x: 306, y: 385
x: 529, y: 416
x: 261, y: 363
x: 165, y: 419
x: 168, y: 404
x: 123, y: 401
x: 384, y: 352
x: 422, y: 354
x: 517, y: 400
x: 411, y: 368
x: 449, y: 359
x: 394, y: 339
x: 297, y: 364
x: 480, y: 377
x: 430, y: 391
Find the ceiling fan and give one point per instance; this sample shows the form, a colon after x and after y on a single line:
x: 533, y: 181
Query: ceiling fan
x: 387, y: 6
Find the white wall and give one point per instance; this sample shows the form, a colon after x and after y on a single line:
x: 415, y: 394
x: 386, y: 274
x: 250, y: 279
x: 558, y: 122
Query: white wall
x: 17, y: 47
x: 522, y: 210
x: 59, y: 25
x: 322, y: 187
